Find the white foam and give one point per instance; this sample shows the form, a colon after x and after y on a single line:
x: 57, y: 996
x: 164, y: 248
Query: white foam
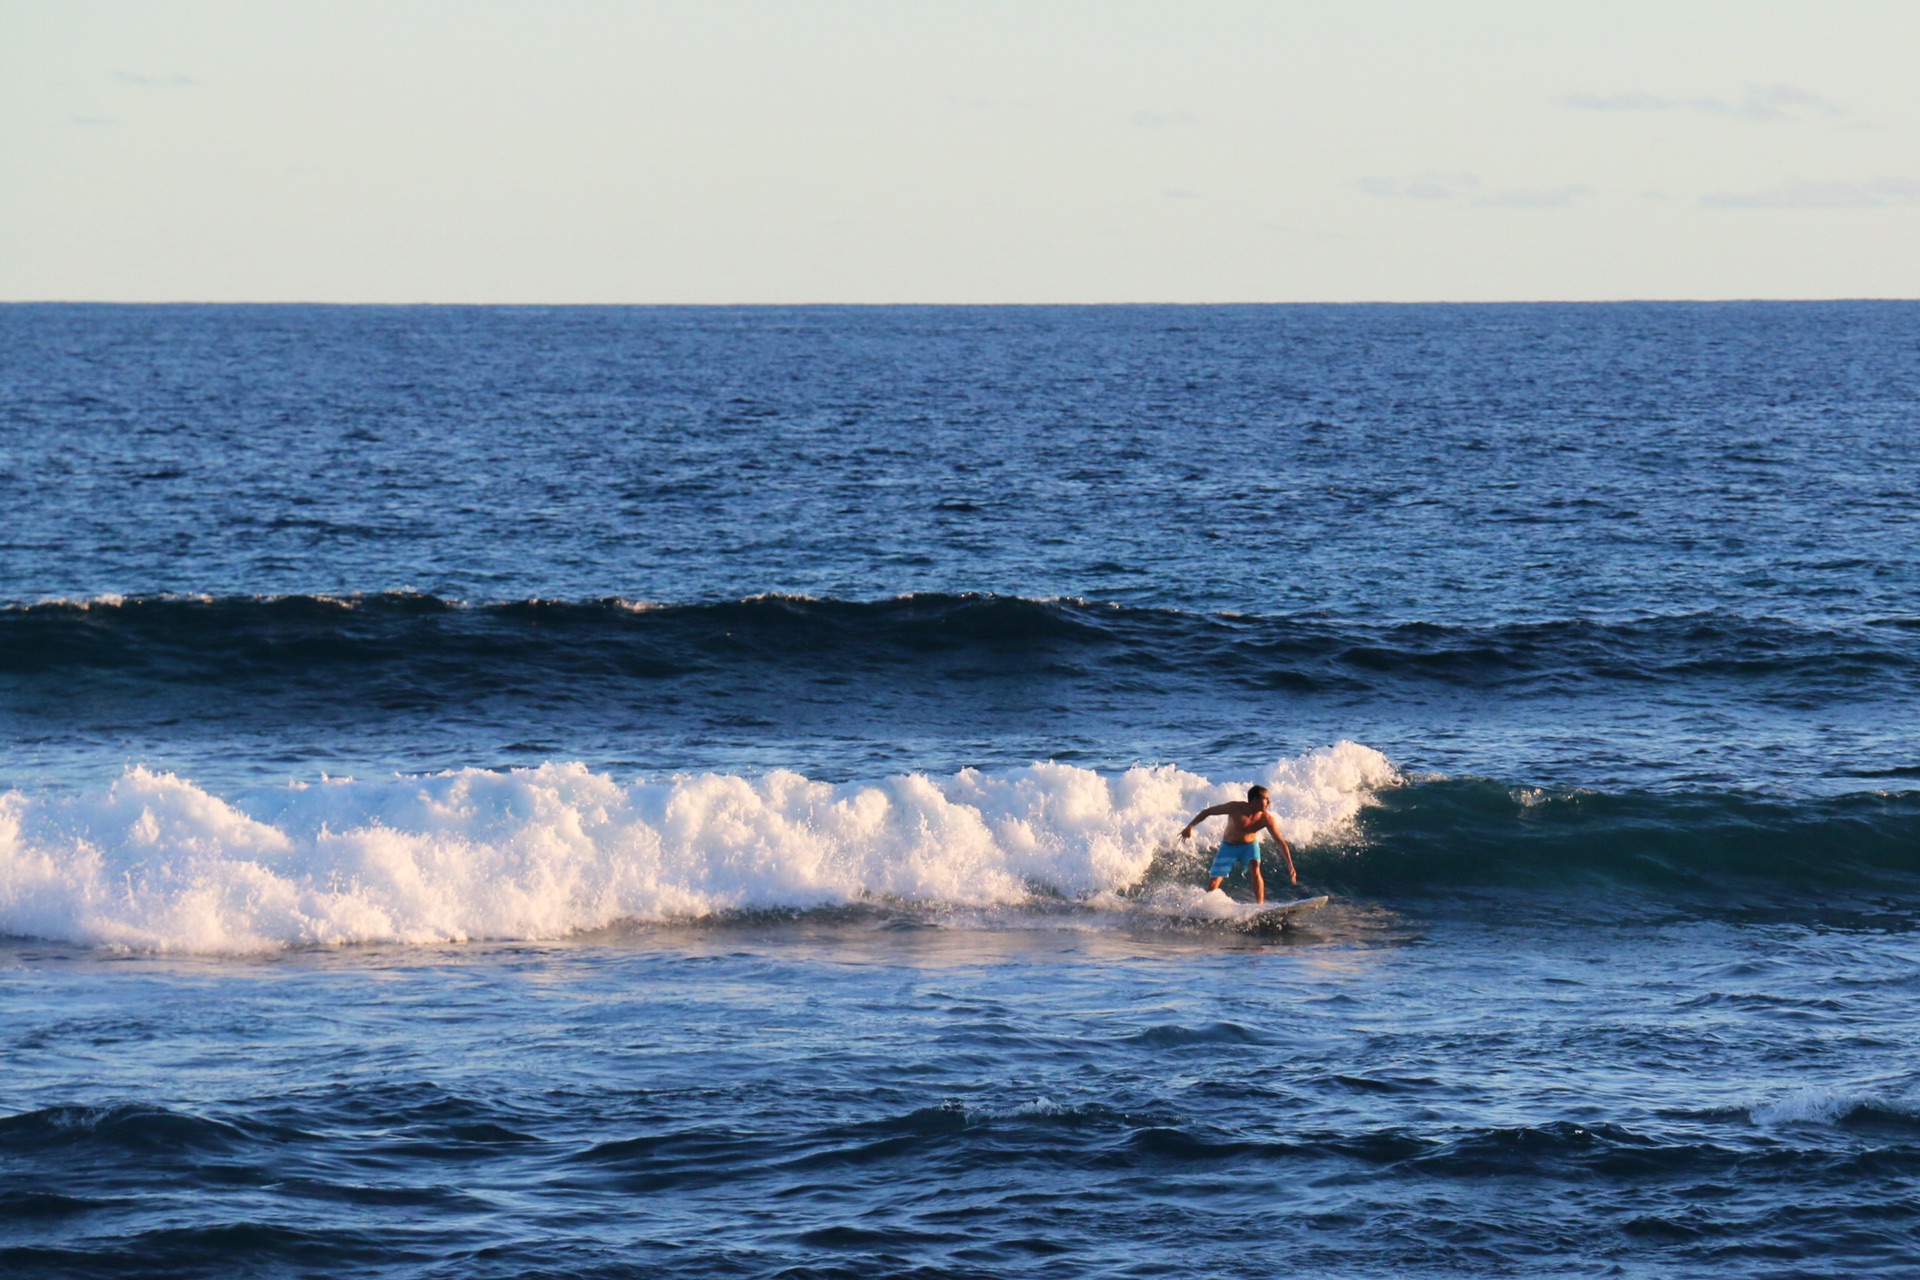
x: 157, y: 864
x: 108, y: 600
x: 1191, y: 902
x: 1813, y: 1104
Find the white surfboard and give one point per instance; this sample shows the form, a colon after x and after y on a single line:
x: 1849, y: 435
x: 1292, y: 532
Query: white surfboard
x: 1216, y: 908
x: 1271, y: 915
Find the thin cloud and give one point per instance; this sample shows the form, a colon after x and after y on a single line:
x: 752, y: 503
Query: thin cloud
x: 1423, y: 186
x: 1535, y: 197
x: 1312, y: 233
x: 1162, y: 120
x: 156, y: 82
x: 1620, y: 102
x: 92, y: 122
x: 1883, y: 193
x: 1466, y: 188
x: 974, y: 102
x: 1179, y: 193
x: 1763, y: 103
x: 1782, y: 101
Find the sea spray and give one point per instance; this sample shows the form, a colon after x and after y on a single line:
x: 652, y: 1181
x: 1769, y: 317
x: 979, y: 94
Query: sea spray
x: 155, y: 863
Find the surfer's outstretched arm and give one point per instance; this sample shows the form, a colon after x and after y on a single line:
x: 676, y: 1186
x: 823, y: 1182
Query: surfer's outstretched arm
x: 1200, y: 817
x: 1286, y: 850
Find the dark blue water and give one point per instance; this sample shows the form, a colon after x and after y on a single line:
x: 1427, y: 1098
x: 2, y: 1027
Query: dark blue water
x: 693, y: 791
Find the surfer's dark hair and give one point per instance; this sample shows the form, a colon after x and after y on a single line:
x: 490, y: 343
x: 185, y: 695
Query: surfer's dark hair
x: 1254, y: 793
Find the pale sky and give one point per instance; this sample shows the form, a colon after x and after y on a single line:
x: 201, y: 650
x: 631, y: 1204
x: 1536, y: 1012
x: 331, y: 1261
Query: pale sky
x: 920, y: 151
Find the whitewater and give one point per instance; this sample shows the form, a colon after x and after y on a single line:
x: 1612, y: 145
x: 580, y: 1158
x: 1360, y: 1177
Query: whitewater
x: 386, y: 891
x: 155, y: 863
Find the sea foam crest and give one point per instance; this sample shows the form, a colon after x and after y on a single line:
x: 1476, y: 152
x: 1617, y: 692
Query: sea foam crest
x: 1812, y: 1104
x: 158, y: 864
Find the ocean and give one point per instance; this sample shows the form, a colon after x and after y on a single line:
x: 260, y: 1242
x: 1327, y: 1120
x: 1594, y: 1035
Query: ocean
x: 601, y: 792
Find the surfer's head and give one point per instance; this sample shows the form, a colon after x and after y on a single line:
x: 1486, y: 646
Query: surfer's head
x: 1257, y: 797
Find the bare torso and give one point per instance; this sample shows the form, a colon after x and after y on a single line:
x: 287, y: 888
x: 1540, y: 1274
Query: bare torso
x: 1246, y: 819
x: 1244, y: 823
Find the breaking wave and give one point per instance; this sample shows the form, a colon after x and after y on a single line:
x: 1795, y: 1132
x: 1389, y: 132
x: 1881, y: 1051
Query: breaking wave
x: 155, y: 863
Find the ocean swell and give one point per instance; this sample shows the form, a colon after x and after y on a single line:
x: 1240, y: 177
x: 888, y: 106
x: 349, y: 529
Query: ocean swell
x: 155, y: 863
x: 1713, y: 848
x: 386, y: 644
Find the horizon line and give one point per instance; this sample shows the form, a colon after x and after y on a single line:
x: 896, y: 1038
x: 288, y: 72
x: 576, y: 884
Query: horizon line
x: 904, y: 305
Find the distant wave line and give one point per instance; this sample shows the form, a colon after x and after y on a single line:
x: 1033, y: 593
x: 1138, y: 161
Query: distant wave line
x: 213, y: 639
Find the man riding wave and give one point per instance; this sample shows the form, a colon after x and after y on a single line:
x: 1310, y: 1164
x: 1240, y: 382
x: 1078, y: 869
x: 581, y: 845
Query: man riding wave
x: 1246, y: 819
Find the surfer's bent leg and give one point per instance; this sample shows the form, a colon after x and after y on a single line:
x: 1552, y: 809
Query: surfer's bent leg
x: 1226, y: 861
x: 1229, y: 859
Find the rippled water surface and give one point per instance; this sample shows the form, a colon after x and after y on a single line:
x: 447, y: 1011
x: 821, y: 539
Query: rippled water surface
x: 1389, y: 1094
x: 695, y: 792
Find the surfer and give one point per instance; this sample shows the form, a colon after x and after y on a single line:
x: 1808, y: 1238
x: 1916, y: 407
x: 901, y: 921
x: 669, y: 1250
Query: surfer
x: 1245, y: 820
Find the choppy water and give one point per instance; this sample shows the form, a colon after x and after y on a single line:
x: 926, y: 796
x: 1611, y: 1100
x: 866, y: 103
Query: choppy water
x: 852, y: 1097
x: 692, y: 792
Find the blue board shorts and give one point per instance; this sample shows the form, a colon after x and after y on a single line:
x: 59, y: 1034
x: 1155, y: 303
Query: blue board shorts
x: 1231, y: 856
